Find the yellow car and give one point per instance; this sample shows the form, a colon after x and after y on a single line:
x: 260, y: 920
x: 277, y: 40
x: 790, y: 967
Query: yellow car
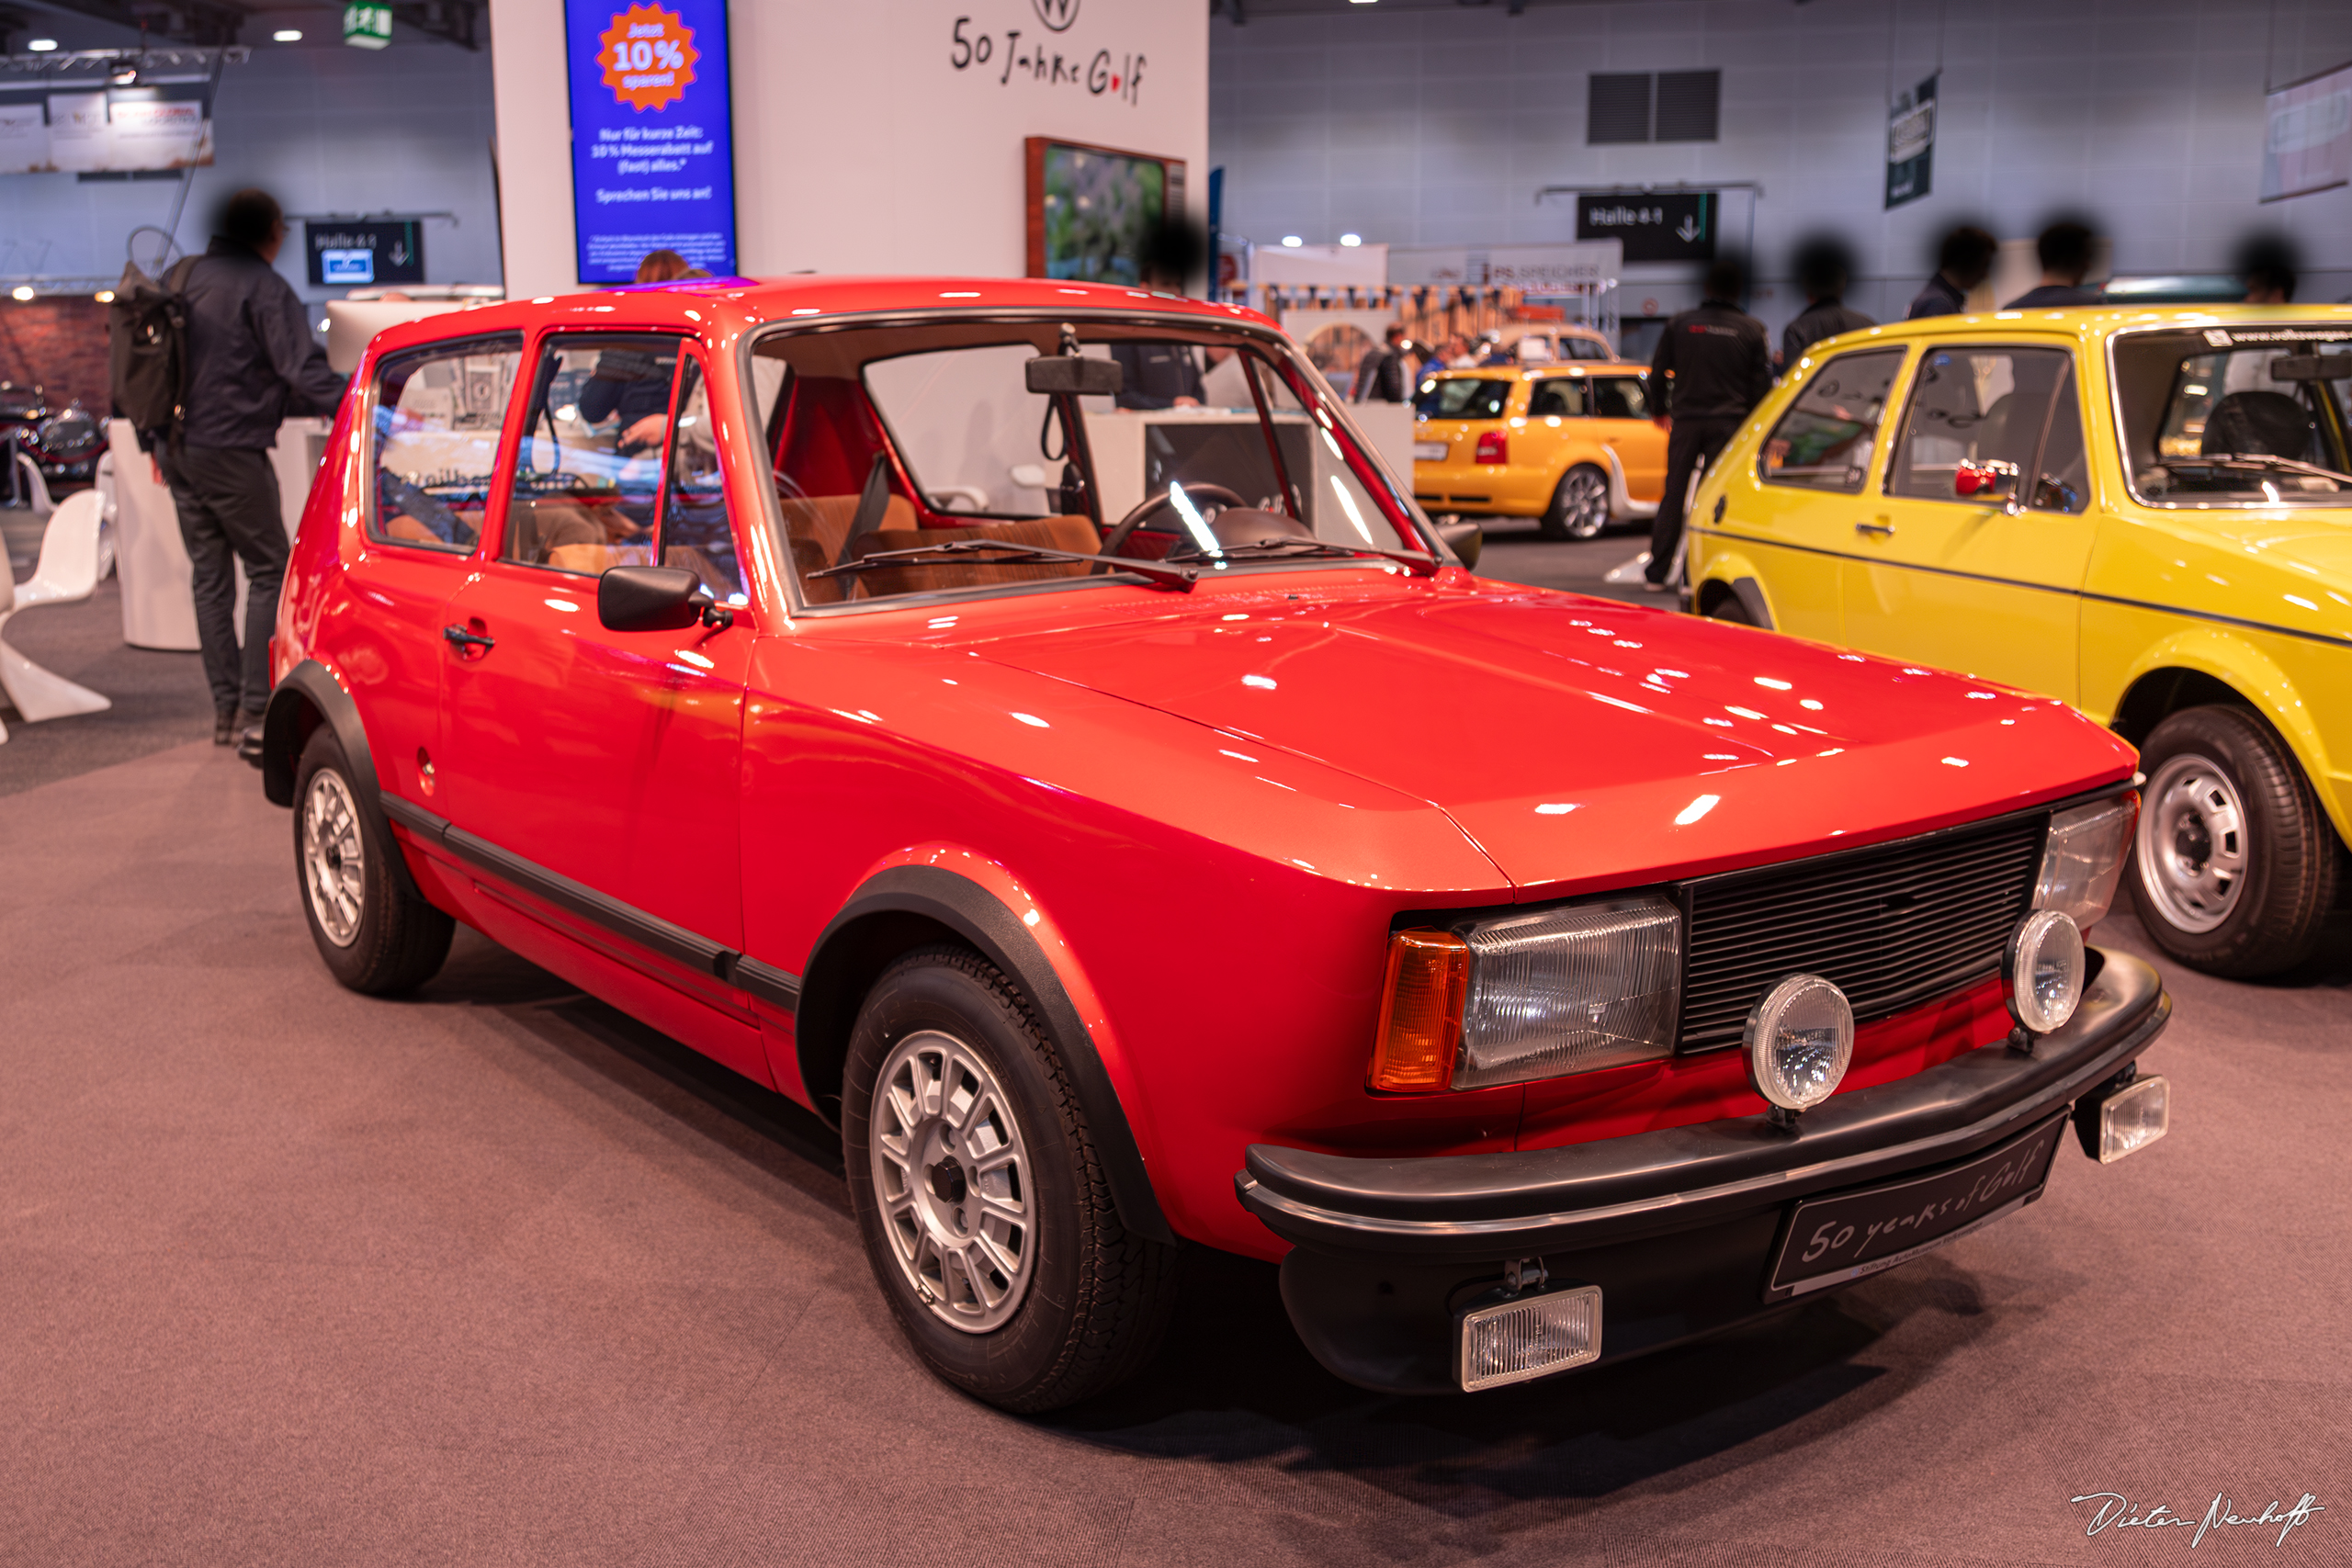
x: 1570, y: 445
x: 2145, y: 512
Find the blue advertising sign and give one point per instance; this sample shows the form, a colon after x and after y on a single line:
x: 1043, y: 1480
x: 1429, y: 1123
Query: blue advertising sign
x: 652, y: 135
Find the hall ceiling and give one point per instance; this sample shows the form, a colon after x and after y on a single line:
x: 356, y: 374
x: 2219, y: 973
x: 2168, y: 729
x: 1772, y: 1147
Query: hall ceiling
x: 208, y: 22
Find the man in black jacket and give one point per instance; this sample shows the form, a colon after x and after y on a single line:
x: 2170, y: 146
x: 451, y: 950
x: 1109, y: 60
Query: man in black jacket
x: 1965, y: 260
x: 2064, y: 252
x: 1386, y: 374
x: 1711, y: 367
x: 252, y: 363
x: 1824, y: 270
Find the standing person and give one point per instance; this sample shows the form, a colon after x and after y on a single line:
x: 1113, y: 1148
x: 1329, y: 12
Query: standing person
x: 252, y: 363
x: 664, y: 267
x: 1964, y: 262
x: 1386, y: 374
x: 1822, y: 271
x: 2267, y: 267
x: 2064, y: 252
x: 1719, y: 369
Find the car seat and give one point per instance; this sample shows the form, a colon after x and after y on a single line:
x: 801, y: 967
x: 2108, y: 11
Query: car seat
x: 2270, y: 423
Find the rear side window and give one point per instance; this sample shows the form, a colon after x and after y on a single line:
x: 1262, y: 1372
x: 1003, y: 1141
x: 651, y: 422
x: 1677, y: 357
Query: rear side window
x: 1824, y: 440
x: 1559, y: 398
x: 1464, y: 397
x: 1619, y: 397
x: 438, y: 411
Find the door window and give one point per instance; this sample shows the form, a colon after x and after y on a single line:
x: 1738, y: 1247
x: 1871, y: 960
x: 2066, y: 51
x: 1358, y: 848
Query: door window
x: 1976, y: 405
x: 695, y: 531
x: 588, y: 475
x: 2061, y: 477
x: 437, y: 416
x: 1560, y: 398
x: 1619, y: 397
x: 1824, y: 440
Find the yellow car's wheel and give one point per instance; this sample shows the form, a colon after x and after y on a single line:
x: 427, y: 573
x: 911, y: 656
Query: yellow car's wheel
x: 1580, y: 508
x: 2233, y: 864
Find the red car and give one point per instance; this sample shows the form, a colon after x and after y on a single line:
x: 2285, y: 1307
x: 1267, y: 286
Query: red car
x: 1026, y: 724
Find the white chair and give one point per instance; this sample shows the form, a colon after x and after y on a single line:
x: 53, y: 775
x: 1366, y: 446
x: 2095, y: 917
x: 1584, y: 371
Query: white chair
x: 67, y: 572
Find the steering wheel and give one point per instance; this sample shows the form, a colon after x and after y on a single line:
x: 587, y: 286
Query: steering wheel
x: 1126, y: 525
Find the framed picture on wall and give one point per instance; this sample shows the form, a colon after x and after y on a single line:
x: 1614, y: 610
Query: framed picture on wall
x: 1096, y: 213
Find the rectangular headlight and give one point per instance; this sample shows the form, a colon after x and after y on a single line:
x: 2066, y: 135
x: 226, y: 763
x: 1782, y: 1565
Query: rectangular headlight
x: 2082, y: 861
x: 2132, y: 1119
x: 1529, y: 1337
x: 1566, y: 991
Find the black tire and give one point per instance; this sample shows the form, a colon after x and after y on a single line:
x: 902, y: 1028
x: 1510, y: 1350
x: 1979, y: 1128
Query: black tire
x: 1580, y: 508
x: 2233, y: 864
x: 1731, y: 607
x: 379, y: 937
x: 1094, y: 1300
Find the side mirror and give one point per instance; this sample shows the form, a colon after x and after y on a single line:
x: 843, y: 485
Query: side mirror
x: 656, y: 599
x: 1058, y: 374
x: 1989, y: 477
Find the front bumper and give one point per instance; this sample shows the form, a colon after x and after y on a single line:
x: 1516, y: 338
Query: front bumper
x: 1676, y: 1227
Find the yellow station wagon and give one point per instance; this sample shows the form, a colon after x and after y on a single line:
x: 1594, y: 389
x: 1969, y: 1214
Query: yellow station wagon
x: 2145, y: 512
x: 1570, y: 445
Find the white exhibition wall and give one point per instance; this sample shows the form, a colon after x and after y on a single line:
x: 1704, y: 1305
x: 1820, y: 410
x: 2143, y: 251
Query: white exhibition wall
x: 324, y: 129
x: 861, y: 145
x: 1430, y: 126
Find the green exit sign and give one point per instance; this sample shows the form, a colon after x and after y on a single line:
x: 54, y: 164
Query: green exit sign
x: 367, y: 27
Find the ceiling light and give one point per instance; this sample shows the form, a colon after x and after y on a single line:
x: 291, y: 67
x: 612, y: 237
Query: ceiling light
x: 40, y: 45
x: 286, y: 35
x: 1293, y: 241
x: 104, y: 296
x: 1353, y: 239
x: 22, y: 291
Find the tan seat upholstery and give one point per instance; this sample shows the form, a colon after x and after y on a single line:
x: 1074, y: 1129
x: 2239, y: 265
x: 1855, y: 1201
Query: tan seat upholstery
x: 594, y: 559
x: 814, y: 527
x: 1076, y: 535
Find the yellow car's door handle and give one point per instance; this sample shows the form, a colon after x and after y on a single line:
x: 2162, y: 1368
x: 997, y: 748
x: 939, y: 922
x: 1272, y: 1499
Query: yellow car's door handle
x: 1878, y: 530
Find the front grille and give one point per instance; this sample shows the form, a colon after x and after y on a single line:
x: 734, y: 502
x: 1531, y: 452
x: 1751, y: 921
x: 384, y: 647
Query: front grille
x: 1892, y: 926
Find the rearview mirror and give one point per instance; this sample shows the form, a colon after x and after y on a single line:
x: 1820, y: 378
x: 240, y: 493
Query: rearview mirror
x: 655, y: 598
x: 1058, y: 374
x: 2310, y: 368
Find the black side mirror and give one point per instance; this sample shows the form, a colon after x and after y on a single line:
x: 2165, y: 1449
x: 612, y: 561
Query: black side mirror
x: 656, y: 599
x: 1058, y: 374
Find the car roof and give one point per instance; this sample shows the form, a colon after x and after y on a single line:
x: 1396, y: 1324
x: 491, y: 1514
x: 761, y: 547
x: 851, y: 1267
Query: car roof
x: 1538, y: 372
x: 2089, y: 321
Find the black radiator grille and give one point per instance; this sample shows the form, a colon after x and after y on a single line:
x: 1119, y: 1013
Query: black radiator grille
x: 1890, y: 926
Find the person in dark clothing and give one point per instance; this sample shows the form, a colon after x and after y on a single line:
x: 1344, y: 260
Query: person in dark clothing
x: 1159, y: 376
x: 252, y: 363
x: 1711, y: 368
x: 1964, y: 262
x: 1822, y: 270
x: 2267, y: 266
x: 1387, y: 373
x: 2064, y: 250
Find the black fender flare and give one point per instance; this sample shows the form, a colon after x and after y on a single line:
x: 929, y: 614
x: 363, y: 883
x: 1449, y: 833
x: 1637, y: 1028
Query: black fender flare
x: 880, y: 921
x: 309, y: 697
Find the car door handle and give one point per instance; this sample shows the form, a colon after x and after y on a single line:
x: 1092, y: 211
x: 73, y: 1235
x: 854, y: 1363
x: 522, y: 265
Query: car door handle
x: 462, y: 639
x: 1877, y: 530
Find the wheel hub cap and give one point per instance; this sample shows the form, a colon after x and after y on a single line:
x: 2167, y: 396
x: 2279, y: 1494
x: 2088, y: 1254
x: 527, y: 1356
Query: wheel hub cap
x: 2192, y: 843
x: 951, y: 1175
x: 335, y: 861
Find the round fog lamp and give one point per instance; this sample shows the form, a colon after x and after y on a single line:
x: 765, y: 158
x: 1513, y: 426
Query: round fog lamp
x: 1799, y: 1041
x: 2044, y: 967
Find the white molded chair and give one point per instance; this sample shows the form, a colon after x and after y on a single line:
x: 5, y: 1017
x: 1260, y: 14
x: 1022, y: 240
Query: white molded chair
x: 68, y: 571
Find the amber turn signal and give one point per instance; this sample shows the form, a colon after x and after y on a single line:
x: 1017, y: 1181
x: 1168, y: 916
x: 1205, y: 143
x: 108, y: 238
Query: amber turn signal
x: 1420, y: 1012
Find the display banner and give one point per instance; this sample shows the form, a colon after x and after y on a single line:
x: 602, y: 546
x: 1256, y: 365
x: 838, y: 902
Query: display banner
x: 79, y: 127
x: 2307, y: 138
x: 652, y: 135
x: 1911, y: 144
x: 353, y: 253
x: 1656, y: 226
x: 1539, y: 270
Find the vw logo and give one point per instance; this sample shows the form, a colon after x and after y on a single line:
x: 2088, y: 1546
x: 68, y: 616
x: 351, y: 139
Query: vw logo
x: 1056, y: 14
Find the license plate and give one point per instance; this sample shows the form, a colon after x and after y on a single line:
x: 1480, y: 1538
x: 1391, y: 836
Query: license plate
x: 1849, y: 1236
x: 1428, y: 451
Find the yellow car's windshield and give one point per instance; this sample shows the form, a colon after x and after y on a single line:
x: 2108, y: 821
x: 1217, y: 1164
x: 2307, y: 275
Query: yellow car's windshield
x: 2252, y: 416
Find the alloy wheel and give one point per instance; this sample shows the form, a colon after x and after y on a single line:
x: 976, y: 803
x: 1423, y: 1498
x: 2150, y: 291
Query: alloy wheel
x: 952, y: 1178
x: 1584, y: 503
x: 334, y: 857
x: 2192, y: 842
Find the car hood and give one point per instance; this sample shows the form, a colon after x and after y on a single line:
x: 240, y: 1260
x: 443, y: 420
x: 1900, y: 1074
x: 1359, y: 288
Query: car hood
x: 1582, y: 743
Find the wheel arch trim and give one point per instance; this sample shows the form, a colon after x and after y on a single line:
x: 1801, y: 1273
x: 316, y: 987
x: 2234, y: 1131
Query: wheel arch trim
x: 977, y: 915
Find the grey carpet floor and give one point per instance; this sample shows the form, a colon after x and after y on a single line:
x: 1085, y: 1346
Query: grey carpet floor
x: 494, y: 1275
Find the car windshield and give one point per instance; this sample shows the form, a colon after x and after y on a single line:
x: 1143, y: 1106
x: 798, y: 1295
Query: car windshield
x: 1118, y: 440
x: 2254, y: 416
x: 1462, y: 397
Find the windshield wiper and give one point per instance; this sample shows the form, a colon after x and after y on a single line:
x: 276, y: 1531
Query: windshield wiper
x: 1178, y: 578
x: 1420, y: 565
x: 2258, y: 461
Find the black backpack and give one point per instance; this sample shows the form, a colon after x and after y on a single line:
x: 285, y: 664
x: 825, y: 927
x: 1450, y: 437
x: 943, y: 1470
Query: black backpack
x: 147, y: 354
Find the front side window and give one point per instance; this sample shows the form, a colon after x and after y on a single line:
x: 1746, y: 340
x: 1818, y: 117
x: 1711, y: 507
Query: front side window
x: 588, y: 474
x: 898, y: 450
x: 1462, y: 397
x: 2223, y: 416
x: 438, y: 411
x: 1977, y: 404
x: 694, y: 529
x: 1824, y: 440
